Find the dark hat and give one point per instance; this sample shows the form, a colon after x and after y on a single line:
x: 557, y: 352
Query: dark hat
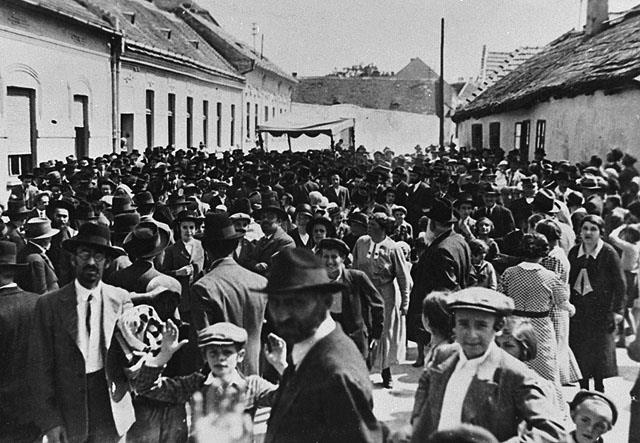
x: 490, y: 189
x: 218, y: 227
x: 177, y: 200
x: 575, y: 198
x: 590, y: 183
x: 545, y: 201
x: 304, y: 209
x: 25, y: 175
x: 481, y: 299
x: 331, y: 230
x: 143, y: 198
x: 39, y: 228
x: 64, y: 204
x: 441, y: 211
x: 121, y: 204
x: 464, y: 197
x: 188, y: 215
x: 583, y: 395
x: 125, y: 222
x: 85, y: 211
x: 297, y: 270
x: 274, y: 208
x: 146, y: 240
x: 221, y: 334
x: 94, y: 236
x: 8, y: 253
x: 334, y: 243
x: 358, y: 218
x: 16, y: 208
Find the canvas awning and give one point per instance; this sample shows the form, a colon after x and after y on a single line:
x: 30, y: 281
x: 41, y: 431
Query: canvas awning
x: 295, y: 129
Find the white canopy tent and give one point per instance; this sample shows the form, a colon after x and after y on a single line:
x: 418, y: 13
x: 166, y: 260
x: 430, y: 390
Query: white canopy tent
x: 294, y: 128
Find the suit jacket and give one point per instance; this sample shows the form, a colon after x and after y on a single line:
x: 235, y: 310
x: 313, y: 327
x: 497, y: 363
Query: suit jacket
x: 362, y: 309
x: 57, y: 366
x: 230, y: 293
x: 497, y: 400
x: 295, y: 235
x: 60, y: 258
x: 327, y: 398
x: 16, y: 320
x: 134, y: 278
x: 266, y: 248
x: 501, y: 217
x: 40, y: 276
x: 175, y: 257
x: 13, y: 235
x: 341, y: 197
x: 418, y: 201
x: 521, y: 211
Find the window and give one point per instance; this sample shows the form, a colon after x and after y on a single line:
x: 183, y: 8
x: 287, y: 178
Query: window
x: 266, y: 113
x: 149, y: 106
x: 521, y: 138
x: 189, y: 122
x: 232, y: 138
x: 171, y: 120
x: 218, y: 124
x: 517, y: 135
x: 541, y: 129
x: 476, y: 136
x: 273, y: 112
x: 20, y: 164
x: 248, y: 120
x: 494, y: 135
x: 205, y: 122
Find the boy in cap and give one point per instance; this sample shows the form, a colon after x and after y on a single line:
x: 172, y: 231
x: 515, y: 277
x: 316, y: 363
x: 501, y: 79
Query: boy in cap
x: 480, y: 383
x: 594, y: 414
x: 222, y: 346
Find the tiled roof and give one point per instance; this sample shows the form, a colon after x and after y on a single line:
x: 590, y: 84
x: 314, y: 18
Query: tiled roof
x: 417, y: 96
x: 143, y: 23
x: 571, y: 65
x: 74, y: 9
x: 416, y: 70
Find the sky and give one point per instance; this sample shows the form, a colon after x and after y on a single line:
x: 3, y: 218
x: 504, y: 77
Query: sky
x: 314, y: 37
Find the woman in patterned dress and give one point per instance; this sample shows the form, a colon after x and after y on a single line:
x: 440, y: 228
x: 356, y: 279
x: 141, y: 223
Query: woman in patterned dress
x: 534, y: 291
x: 558, y: 262
x: 598, y: 289
x: 383, y: 261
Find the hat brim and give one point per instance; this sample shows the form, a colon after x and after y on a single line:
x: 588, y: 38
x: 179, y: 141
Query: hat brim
x: 70, y: 245
x: 274, y: 210
x: 324, y: 287
x: 164, y: 242
x: 475, y: 307
x: 49, y: 234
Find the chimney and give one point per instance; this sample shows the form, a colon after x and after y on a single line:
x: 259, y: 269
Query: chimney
x: 597, y: 15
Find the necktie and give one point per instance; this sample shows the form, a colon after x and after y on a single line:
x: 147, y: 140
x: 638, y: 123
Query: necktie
x: 88, y: 318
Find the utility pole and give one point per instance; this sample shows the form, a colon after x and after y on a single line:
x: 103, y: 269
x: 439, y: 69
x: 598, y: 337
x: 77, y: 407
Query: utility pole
x: 441, y: 85
x: 254, y: 33
x: 262, y: 47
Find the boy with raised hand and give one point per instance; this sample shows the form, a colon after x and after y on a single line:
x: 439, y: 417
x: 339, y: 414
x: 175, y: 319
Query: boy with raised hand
x: 223, y: 390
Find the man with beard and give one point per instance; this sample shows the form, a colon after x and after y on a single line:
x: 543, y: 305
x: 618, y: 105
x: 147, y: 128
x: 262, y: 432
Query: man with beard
x: 273, y: 242
x: 325, y: 393
x: 79, y: 387
x: 60, y: 212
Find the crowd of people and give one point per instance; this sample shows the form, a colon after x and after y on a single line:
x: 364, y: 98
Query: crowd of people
x: 168, y: 294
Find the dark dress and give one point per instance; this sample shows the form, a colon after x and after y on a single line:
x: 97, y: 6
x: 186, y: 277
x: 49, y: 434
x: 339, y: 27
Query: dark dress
x: 592, y: 327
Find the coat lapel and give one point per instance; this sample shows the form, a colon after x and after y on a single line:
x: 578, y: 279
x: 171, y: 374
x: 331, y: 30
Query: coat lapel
x: 440, y: 375
x: 69, y: 312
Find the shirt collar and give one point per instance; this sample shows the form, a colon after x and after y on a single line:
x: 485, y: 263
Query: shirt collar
x: 301, y: 349
x: 595, y: 252
x: 236, y: 380
x: 82, y: 293
x: 527, y: 265
x: 9, y: 286
x: 476, y: 362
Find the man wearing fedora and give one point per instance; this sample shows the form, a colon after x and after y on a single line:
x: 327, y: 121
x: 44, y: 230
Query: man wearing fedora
x: 228, y: 292
x: 80, y: 390
x: 18, y: 215
x: 501, y: 216
x: 545, y: 203
x: 40, y: 275
x: 16, y: 319
x: 274, y: 241
x: 477, y: 382
x: 60, y: 212
x: 325, y: 393
x: 444, y: 265
x: 143, y: 245
x: 146, y: 207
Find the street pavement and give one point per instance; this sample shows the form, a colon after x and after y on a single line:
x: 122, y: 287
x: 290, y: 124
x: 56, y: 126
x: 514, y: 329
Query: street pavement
x: 393, y: 406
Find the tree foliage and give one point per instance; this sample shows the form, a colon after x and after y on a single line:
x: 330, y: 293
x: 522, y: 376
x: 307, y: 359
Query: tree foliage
x: 360, y: 70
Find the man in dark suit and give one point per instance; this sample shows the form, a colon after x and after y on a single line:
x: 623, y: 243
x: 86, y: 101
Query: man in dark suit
x: 80, y: 390
x: 60, y: 213
x: 500, y: 216
x: 39, y: 276
x: 359, y: 307
x: 521, y: 207
x: 16, y: 319
x: 273, y: 242
x: 419, y: 197
x: 399, y: 176
x: 479, y: 383
x: 229, y: 292
x: 337, y: 193
x: 41, y: 203
x: 18, y: 214
x: 444, y: 265
x: 325, y: 394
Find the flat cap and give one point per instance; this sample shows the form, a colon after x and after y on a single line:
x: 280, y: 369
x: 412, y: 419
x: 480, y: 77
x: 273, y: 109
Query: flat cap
x: 583, y: 395
x: 482, y: 299
x: 240, y: 216
x: 222, y: 334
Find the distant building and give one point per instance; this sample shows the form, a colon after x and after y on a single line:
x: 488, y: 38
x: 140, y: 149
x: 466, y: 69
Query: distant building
x: 577, y: 97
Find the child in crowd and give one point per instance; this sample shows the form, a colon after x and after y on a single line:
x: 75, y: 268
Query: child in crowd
x: 482, y: 271
x: 224, y: 393
x: 594, y: 414
x: 484, y: 228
